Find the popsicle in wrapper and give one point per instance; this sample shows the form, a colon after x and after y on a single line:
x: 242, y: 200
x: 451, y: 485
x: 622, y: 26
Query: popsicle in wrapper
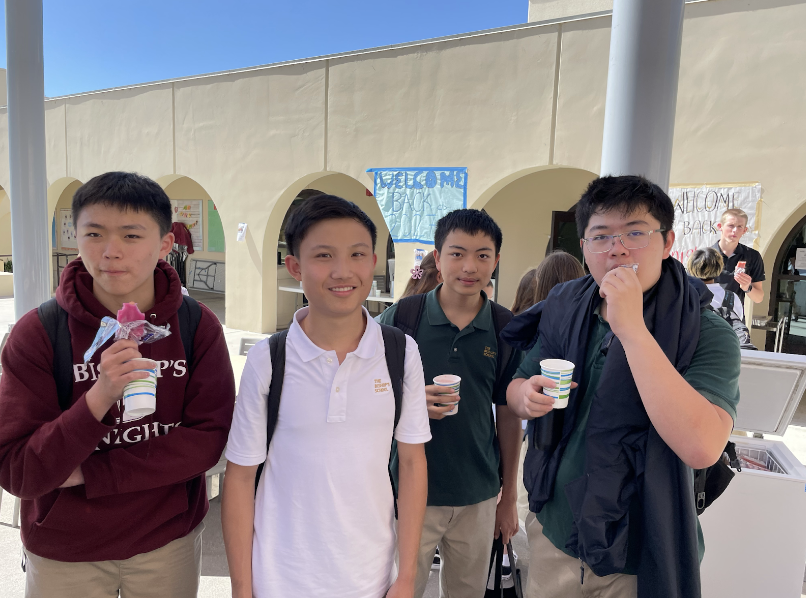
x: 131, y: 313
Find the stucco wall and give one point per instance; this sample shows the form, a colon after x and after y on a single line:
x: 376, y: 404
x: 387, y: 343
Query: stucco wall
x: 499, y: 103
x: 543, y: 10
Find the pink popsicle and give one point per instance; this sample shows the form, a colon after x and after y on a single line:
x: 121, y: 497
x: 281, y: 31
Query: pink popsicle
x: 131, y: 313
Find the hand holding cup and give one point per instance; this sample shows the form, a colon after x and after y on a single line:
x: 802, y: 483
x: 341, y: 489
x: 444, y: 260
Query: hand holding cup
x: 443, y: 396
x: 115, y: 370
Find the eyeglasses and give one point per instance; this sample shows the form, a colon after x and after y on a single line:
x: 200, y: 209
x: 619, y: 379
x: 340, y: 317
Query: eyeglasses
x: 634, y: 239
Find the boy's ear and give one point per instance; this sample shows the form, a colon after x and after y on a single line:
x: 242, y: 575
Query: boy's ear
x: 667, y: 246
x: 293, y: 267
x: 166, y: 245
x: 436, y: 261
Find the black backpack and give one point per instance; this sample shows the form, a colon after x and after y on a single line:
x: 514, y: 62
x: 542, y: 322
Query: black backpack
x: 395, y: 348
x: 725, y: 311
x: 54, y: 319
x: 410, y: 311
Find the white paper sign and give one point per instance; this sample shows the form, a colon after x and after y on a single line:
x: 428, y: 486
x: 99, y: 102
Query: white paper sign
x: 241, y: 231
x: 800, y: 259
x: 698, y: 210
x: 189, y: 212
x: 67, y: 232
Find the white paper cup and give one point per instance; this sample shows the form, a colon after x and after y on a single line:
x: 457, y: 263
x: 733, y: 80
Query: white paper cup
x: 560, y: 371
x: 451, y: 384
x: 140, y: 396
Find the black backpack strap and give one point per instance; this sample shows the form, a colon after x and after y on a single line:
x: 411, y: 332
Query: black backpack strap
x: 189, y: 315
x: 394, y: 342
x: 277, y: 352
x: 54, y: 320
x: 408, y: 313
x: 501, y: 317
x: 727, y: 300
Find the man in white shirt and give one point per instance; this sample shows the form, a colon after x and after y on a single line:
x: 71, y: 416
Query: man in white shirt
x: 322, y: 522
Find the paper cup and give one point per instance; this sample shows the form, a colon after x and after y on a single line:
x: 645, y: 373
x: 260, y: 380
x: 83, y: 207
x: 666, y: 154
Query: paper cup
x: 560, y: 371
x: 451, y: 384
x: 140, y: 396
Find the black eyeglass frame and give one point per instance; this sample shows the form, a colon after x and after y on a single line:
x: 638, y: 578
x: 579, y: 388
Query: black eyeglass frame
x: 613, y: 238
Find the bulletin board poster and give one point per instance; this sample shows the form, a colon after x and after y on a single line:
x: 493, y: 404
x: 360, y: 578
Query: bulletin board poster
x: 413, y: 199
x: 189, y: 212
x: 698, y: 210
x: 67, y: 232
x: 215, y: 231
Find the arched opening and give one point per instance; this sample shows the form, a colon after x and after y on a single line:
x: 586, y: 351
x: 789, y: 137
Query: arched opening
x: 788, y: 293
x: 202, y: 266
x: 282, y: 294
x: 534, y: 208
x: 64, y: 246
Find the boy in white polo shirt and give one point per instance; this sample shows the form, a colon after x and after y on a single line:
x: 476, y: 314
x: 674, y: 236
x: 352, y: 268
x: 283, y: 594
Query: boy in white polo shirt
x: 322, y: 522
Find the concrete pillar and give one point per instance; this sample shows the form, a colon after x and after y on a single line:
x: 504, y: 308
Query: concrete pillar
x: 642, y: 88
x: 26, y: 149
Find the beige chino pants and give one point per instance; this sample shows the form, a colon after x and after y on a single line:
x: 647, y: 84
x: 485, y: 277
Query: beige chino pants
x: 465, y: 539
x: 554, y: 574
x: 172, y: 570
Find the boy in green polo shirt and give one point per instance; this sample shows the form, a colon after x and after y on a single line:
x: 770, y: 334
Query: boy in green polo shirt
x: 688, y: 406
x: 456, y: 335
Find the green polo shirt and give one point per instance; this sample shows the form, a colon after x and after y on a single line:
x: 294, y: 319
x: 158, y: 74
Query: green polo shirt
x: 463, y: 451
x: 714, y: 373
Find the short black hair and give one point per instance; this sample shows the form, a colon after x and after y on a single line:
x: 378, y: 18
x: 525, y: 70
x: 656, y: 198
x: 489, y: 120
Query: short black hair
x: 125, y: 191
x: 319, y: 208
x: 625, y: 194
x: 468, y: 221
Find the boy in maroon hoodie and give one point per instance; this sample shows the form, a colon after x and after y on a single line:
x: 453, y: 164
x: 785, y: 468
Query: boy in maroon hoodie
x: 111, y: 506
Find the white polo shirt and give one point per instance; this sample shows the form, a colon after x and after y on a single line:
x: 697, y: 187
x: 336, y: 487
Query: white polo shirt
x: 324, y: 510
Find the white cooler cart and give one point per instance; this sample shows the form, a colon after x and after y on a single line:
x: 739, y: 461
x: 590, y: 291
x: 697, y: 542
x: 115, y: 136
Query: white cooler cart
x: 755, y: 533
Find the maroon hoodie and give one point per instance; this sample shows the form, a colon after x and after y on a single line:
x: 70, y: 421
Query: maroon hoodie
x: 144, y: 480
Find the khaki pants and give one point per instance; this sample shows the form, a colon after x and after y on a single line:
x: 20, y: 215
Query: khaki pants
x: 172, y: 570
x: 554, y: 574
x: 465, y: 539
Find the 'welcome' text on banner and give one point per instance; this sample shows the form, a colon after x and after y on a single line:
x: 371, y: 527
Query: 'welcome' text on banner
x: 413, y: 199
x: 698, y: 210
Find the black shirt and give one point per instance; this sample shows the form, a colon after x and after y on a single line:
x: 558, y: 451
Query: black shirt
x: 753, y: 268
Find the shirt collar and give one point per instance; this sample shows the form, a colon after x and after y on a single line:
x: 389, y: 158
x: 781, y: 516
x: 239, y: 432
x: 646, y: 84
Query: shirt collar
x: 437, y: 317
x: 308, y: 351
x: 740, y: 250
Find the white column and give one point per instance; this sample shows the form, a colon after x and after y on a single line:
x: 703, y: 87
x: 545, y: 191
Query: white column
x: 26, y: 149
x: 642, y: 88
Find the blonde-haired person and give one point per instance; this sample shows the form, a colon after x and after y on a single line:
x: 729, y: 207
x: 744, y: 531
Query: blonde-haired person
x: 534, y: 287
x: 743, y: 279
x: 536, y: 284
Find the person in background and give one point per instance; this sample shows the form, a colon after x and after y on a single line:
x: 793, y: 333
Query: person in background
x: 535, y: 285
x: 748, y: 282
x: 489, y: 290
x: 425, y: 279
x: 706, y: 264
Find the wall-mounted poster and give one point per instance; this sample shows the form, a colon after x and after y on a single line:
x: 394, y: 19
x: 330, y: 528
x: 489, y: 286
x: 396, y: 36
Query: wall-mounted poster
x: 67, y: 232
x: 189, y: 212
x: 413, y: 199
x: 698, y: 210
